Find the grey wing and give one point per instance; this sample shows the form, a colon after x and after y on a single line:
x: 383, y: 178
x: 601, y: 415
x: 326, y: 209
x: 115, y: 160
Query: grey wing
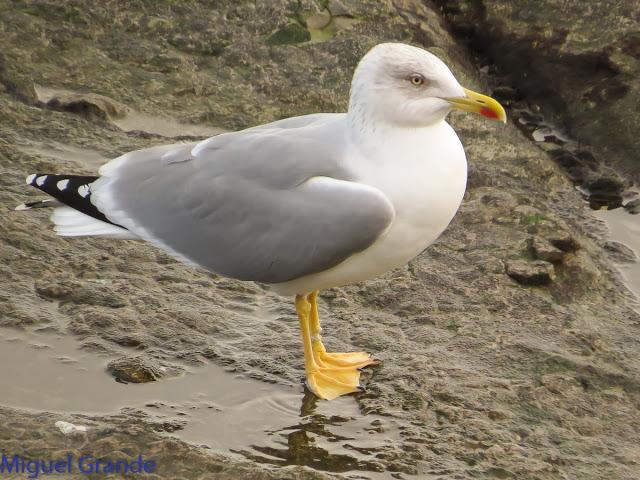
x: 255, y: 205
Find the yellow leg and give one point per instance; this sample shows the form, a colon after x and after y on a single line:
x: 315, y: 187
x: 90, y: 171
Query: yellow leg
x: 320, y: 354
x: 324, y: 381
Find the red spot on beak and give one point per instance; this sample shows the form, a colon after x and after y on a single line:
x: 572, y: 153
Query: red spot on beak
x: 488, y: 112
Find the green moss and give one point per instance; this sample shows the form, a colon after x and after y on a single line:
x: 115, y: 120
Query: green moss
x: 290, y: 34
x: 533, y: 219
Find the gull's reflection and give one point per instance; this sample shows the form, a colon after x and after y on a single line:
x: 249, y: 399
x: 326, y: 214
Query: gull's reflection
x: 329, y: 436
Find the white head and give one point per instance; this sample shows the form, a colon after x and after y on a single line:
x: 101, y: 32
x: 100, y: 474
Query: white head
x: 406, y: 86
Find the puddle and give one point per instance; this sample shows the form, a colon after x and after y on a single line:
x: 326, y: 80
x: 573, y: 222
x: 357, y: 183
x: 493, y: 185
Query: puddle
x: 625, y: 228
x: 208, y: 406
x: 136, y: 121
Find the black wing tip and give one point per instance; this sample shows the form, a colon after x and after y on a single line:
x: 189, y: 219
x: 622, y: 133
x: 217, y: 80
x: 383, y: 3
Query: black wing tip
x: 71, y: 190
x: 53, y: 183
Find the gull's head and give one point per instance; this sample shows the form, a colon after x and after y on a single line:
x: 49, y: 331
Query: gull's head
x: 407, y: 86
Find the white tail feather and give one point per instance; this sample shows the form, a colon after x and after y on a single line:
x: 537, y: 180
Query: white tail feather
x: 72, y: 223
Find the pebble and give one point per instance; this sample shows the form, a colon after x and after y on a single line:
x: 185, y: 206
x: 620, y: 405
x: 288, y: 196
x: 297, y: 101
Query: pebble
x: 633, y: 206
x: 68, y: 428
x: 133, y: 370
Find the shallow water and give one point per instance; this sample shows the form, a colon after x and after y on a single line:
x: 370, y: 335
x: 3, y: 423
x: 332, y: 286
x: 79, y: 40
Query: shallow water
x: 625, y: 228
x: 208, y: 406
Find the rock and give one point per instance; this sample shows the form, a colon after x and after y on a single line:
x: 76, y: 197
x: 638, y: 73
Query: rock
x: 620, y: 252
x: 605, y: 192
x: 530, y: 273
x: 562, y: 240
x: 544, y: 250
x: 579, y: 62
x: 89, y: 105
x: 133, y: 370
x: 633, y: 206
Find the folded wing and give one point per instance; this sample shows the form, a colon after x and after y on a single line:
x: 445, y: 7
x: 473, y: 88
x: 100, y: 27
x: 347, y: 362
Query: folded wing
x: 268, y: 205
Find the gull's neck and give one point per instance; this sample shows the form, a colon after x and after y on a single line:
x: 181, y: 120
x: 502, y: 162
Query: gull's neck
x: 373, y: 135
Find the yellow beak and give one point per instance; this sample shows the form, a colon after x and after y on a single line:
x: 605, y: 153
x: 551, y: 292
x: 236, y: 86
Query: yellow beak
x: 480, y: 104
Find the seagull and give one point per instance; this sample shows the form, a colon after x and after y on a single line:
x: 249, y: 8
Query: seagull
x: 300, y: 204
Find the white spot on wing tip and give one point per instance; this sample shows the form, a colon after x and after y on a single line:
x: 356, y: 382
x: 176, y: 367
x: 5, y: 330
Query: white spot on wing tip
x: 41, y: 180
x: 62, y: 184
x: 21, y: 207
x: 83, y: 190
x: 31, y: 178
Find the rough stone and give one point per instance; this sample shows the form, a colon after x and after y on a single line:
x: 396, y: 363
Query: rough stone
x: 530, y: 273
x: 562, y: 240
x: 544, y: 250
x: 89, y: 105
x: 133, y: 370
x: 620, y: 252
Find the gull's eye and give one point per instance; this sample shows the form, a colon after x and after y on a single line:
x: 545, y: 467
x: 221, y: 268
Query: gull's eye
x: 416, y: 79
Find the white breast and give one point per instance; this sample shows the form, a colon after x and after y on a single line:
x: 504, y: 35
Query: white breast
x: 423, y: 172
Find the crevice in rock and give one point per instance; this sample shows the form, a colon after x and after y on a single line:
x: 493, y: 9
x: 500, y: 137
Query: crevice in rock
x: 530, y: 80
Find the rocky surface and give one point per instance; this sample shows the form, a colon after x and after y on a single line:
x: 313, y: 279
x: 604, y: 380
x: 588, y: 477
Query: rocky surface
x: 484, y: 377
x: 578, y: 60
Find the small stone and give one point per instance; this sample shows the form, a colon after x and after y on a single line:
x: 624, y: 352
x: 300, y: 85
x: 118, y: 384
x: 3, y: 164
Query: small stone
x: 133, y: 370
x: 537, y: 272
x: 318, y: 21
x: 544, y: 250
x: 633, y: 206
